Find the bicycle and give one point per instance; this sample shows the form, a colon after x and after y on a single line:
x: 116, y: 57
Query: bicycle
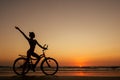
x: 49, y: 66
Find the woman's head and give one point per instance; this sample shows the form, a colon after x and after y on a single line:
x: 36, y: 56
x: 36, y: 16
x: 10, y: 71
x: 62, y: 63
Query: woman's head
x: 31, y: 34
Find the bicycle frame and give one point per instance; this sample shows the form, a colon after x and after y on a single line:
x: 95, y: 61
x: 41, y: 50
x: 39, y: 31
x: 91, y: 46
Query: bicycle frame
x: 41, y: 56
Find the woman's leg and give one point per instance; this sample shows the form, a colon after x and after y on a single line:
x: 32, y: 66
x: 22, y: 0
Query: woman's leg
x: 38, y: 58
x: 28, y: 55
x: 27, y: 60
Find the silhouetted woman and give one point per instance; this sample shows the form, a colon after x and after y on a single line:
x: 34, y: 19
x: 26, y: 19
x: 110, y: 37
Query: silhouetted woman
x: 32, y: 43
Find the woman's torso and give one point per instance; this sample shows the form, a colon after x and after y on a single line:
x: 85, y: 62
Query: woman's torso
x: 32, y: 44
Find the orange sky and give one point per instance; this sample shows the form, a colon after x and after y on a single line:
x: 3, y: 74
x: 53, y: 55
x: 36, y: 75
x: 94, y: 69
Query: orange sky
x: 78, y: 32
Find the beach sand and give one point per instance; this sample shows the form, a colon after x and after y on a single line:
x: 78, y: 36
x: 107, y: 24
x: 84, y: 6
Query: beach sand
x: 58, y: 78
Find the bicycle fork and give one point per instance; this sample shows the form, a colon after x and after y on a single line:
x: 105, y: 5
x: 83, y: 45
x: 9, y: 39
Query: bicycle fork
x: 48, y: 63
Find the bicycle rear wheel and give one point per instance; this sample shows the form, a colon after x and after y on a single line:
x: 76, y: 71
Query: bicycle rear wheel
x: 49, y: 66
x: 20, y: 67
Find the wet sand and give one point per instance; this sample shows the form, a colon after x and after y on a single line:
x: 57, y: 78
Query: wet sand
x: 58, y: 78
x: 62, y: 75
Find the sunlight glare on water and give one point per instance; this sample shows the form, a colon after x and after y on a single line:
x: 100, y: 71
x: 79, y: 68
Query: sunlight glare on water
x: 88, y: 73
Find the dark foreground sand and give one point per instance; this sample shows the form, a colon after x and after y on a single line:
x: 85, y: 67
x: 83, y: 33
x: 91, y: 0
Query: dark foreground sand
x: 58, y: 78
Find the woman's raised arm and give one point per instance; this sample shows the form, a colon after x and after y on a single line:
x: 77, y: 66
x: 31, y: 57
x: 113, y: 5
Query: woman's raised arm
x: 21, y: 32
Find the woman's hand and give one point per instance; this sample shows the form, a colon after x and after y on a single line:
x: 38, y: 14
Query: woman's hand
x: 45, y: 47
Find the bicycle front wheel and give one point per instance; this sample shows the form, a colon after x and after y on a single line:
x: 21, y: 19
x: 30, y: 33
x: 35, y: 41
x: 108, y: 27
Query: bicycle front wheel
x: 20, y: 67
x: 49, y: 66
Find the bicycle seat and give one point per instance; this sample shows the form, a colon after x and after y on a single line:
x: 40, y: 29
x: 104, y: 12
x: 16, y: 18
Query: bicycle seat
x: 22, y: 55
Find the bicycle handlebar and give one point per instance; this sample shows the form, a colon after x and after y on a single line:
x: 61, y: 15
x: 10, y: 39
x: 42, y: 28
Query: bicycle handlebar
x: 45, y: 47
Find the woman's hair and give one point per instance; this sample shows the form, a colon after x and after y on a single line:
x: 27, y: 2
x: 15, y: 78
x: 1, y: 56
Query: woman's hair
x: 32, y: 34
